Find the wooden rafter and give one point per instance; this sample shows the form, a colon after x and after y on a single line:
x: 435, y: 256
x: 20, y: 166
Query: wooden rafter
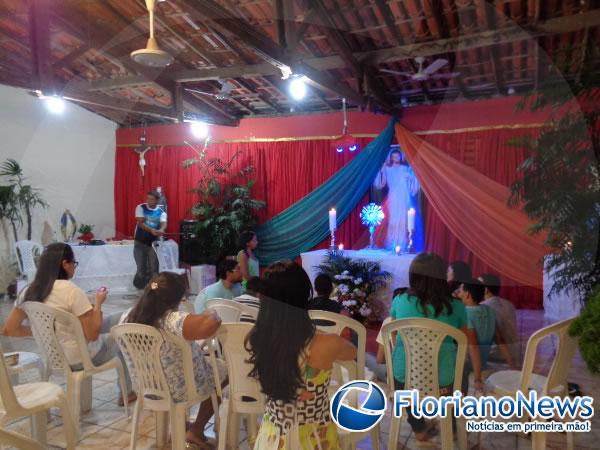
x: 264, y: 47
x: 39, y: 33
x: 437, y: 8
x: 490, y: 24
x: 156, y: 76
x: 396, y: 53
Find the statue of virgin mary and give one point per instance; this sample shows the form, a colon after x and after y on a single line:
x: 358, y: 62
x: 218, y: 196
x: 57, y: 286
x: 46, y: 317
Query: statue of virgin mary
x: 402, y: 184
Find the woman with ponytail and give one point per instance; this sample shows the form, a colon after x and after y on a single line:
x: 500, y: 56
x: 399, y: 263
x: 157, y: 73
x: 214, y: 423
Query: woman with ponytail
x: 159, y: 307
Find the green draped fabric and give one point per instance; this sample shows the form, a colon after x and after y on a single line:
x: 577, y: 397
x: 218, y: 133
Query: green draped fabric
x: 306, y: 223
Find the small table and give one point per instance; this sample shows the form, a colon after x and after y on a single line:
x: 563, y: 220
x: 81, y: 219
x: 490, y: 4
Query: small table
x: 27, y: 361
x: 111, y: 265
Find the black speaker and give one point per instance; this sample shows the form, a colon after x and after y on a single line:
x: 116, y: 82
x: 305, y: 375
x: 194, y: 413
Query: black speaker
x: 188, y: 245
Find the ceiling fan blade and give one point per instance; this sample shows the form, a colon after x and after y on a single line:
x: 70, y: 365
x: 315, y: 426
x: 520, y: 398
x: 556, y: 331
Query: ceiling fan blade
x: 196, y: 91
x: 395, y: 72
x: 445, y: 75
x: 435, y: 66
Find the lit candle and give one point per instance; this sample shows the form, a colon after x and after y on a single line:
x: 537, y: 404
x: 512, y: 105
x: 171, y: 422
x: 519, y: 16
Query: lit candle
x: 341, y: 247
x: 397, y: 249
x: 411, y: 219
x: 332, y: 220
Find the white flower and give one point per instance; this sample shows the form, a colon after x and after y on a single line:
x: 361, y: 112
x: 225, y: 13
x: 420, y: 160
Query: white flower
x: 338, y: 277
x: 343, y: 288
x: 365, y: 312
x: 345, y: 272
x: 358, y: 280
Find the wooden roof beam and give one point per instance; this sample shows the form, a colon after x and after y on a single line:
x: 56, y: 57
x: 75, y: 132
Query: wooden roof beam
x: 264, y: 47
x: 152, y: 75
x: 490, y: 23
x: 396, y: 53
x: 39, y: 33
x: 437, y: 8
x: 338, y: 42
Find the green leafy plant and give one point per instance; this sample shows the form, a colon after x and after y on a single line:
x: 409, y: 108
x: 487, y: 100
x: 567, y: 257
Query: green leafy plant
x: 559, y: 181
x: 354, y: 281
x: 23, y: 198
x: 587, y: 327
x: 559, y: 188
x: 85, y: 228
x: 225, y: 205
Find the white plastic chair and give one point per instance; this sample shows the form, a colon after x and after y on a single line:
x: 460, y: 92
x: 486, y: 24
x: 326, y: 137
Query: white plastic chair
x: 422, y: 340
x: 334, y: 323
x: 167, y: 253
x: 250, y: 312
x: 43, y: 320
x: 245, y: 396
x: 142, y: 345
x: 26, y: 252
x: 33, y: 400
x: 229, y: 310
x: 508, y: 382
x: 19, y: 441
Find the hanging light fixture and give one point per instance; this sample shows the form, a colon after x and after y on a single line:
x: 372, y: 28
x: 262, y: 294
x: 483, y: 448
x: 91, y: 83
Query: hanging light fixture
x: 346, y: 141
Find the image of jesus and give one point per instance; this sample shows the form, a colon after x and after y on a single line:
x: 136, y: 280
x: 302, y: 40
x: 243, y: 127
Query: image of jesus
x: 401, y: 183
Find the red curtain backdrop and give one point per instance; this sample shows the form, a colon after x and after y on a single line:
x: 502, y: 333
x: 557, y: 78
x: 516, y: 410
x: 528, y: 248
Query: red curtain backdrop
x: 286, y: 171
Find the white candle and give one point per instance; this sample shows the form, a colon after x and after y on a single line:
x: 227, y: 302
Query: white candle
x: 411, y: 219
x: 332, y: 220
x: 341, y: 247
x: 397, y: 249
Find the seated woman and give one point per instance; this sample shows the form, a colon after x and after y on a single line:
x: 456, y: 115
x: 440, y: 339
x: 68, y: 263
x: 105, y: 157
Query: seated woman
x: 159, y: 308
x: 297, y: 409
x: 248, y: 263
x: 428, y: 297
x: 51, y: 286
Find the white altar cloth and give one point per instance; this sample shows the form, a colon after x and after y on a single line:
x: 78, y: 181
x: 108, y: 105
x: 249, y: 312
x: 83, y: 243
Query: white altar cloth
x: 397, y: 265
x: 110, y: 265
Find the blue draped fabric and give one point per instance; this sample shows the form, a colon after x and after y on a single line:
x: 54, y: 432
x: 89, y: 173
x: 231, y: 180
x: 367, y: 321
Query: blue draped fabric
x: 306, y: 223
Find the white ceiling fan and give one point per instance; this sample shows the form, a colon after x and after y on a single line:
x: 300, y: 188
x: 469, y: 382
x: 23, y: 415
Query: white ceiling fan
x: 223, y: 94
x: 152, y: 55
x: 426, y: 73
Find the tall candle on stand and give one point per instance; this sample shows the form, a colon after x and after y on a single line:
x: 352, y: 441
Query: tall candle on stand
x: 411, y: 219
x: 332, y: 220
x: 332, y: 227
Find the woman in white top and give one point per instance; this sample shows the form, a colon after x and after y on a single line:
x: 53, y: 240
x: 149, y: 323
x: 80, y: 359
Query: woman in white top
x: 51, y: 286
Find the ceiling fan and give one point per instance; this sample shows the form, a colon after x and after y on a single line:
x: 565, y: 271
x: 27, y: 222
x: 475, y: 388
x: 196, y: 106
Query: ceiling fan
x: 426, y: 73
x: 223, y: 94
x: 152, y: 55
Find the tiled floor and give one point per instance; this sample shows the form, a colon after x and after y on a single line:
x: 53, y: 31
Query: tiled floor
x: 106, y: 426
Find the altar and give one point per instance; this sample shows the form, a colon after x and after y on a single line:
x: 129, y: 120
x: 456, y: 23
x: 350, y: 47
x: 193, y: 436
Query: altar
x: 396, y: 265
x: 111, y: 265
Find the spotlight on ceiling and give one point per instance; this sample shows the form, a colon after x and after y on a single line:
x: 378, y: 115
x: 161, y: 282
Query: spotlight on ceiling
x: 199, y: 129
x: 54, y: 104
x: 511, y: 90
x: 298, y: 87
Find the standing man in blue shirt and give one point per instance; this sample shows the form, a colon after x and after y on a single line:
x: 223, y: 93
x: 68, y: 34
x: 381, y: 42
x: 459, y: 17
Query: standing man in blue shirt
x: 151, y: 224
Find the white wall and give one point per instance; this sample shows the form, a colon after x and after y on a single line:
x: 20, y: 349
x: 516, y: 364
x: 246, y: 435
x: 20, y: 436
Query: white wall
x: 69, y: 157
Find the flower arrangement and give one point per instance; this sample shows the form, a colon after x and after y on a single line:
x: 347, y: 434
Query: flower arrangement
x: 354, y: 281
x: 86, y: 232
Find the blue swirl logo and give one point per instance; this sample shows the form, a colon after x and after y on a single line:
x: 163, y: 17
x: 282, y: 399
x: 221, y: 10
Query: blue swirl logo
x: 370, y: 406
